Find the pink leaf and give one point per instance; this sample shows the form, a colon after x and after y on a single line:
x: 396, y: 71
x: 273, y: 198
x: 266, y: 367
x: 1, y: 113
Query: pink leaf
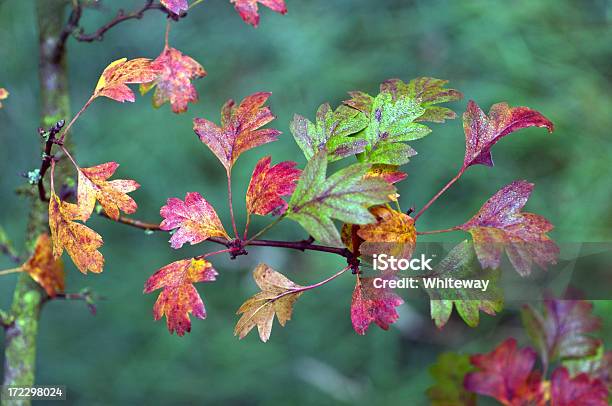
x: 371, y: 304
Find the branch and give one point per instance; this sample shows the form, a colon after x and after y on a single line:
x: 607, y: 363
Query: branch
x: 47, y: 157
x: 85, y: 295
x: 236, y: 247
x: 123, y: 16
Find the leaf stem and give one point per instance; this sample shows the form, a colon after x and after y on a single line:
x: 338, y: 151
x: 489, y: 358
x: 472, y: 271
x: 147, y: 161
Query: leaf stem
x: 195, y: 3
x: 264, y: 230
x: 167, y: 33
x: 246, y: 227
x: 76, y: 166
x: 445, y: 230
x: 309, y: 287
x: 12, y: 270
x: 229, y: 200
x: 210, y: 254
x: 437, y: 195
x: 74, y: 119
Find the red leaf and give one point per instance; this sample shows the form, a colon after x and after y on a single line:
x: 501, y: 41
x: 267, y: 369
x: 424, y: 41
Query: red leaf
x: 248, y: 9
x: 176, y: 6
x: 174, y: 82
x: 507, y: 375
x: 241, y: 128
x: 195, y: 219
x: 180, y: 297
x: 373, y: 305
x: 500, y: 225
x: 268, y: 184
x: 580, y: 390
x: 482, y: 132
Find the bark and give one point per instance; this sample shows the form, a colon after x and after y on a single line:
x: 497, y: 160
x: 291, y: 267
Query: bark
x: 20, y: 340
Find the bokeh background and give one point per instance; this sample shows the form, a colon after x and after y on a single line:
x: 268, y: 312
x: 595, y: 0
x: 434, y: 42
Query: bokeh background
x: 551, y: 55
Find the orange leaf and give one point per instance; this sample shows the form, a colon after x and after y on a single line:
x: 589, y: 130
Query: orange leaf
x: 174, y: 82
x: 179, y: 297
x: 47, y: 271
x: 112, y: 195
x: 269, y: 184
x: 3, y: 94
x: 240, y: 128
x: 81, y: 242
x: 195, y: 219
x: 116, y: 76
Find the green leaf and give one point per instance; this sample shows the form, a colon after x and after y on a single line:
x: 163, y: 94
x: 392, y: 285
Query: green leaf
x: 461, y: 264
x: 332, y: 132
x: 345, y: 195
x: 392, y: 121
x: 428, y: 92
x: 448, y: 373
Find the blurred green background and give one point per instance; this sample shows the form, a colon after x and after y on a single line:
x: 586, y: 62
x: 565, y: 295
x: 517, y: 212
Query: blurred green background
x: 554, y: 56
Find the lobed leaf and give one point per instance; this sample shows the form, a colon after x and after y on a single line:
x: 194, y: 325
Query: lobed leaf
x: 482, y: 131
x: 195, y: 219
x: 461, y: 263
x: 579, y: 390
x: 112, y: 195
x: 44, y: 268
x: 373, y: 305
x: 240, y: 128
x: 507, y: 374
x: 248, y: 9
x: 346, y: 196
x: 173, y: 84
x: 277, y: 297
x: 113, y: 81
x: 80, y: 241
x: 179, y: 297
x: 562, y: 330
x: 449, y: 372
x: 332, y: 131
x: 269, y: 184
x: 500, y: 226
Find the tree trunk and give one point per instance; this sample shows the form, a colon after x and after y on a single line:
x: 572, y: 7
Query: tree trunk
x: 20, y: 345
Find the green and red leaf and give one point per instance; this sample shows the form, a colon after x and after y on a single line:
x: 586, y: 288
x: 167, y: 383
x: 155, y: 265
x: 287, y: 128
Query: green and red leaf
x: 482, y: 131
x: 449, y: 372
x: 269, y: 184
x: 194, y: 218
x: 179, y: 297
x: 240, y: 128
x: 173, y: 84
x: 500, y: 226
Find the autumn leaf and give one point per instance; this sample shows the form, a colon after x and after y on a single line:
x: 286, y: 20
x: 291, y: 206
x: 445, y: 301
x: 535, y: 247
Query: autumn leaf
x: 345, y: 196
x: 240, y: 128
x: 277, y: 297
x: 46, y: 270
x: 392, y: 234
x: 507, y: 374
x: 176, y: 6
x: 80, y: 241
x: 248, y: 9
x: 269, y: 184
x: 597, y: 366
x: 448, y: 373
x: 174, y: 82
x: 426, y: 91
x: 461, y: 264
x: 112, y: 195
x: 391, y: 123
x: 332, y: 131
x: 116, y: 76
x: 500, y: 226
x: 373, y: 305
x: 388, y: 173
x: 579, y: 390
x: 3, y: 95
x: 482, y: 131
x: 562, y: 330
x: 179, y: 297
x: 195, y: 219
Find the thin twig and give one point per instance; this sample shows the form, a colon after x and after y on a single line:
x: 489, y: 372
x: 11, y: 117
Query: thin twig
x: 445, y: 230
x: 309, y: 287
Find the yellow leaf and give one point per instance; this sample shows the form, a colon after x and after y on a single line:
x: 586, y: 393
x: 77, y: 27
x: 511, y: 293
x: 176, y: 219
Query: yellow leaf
x: 47, y: 271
